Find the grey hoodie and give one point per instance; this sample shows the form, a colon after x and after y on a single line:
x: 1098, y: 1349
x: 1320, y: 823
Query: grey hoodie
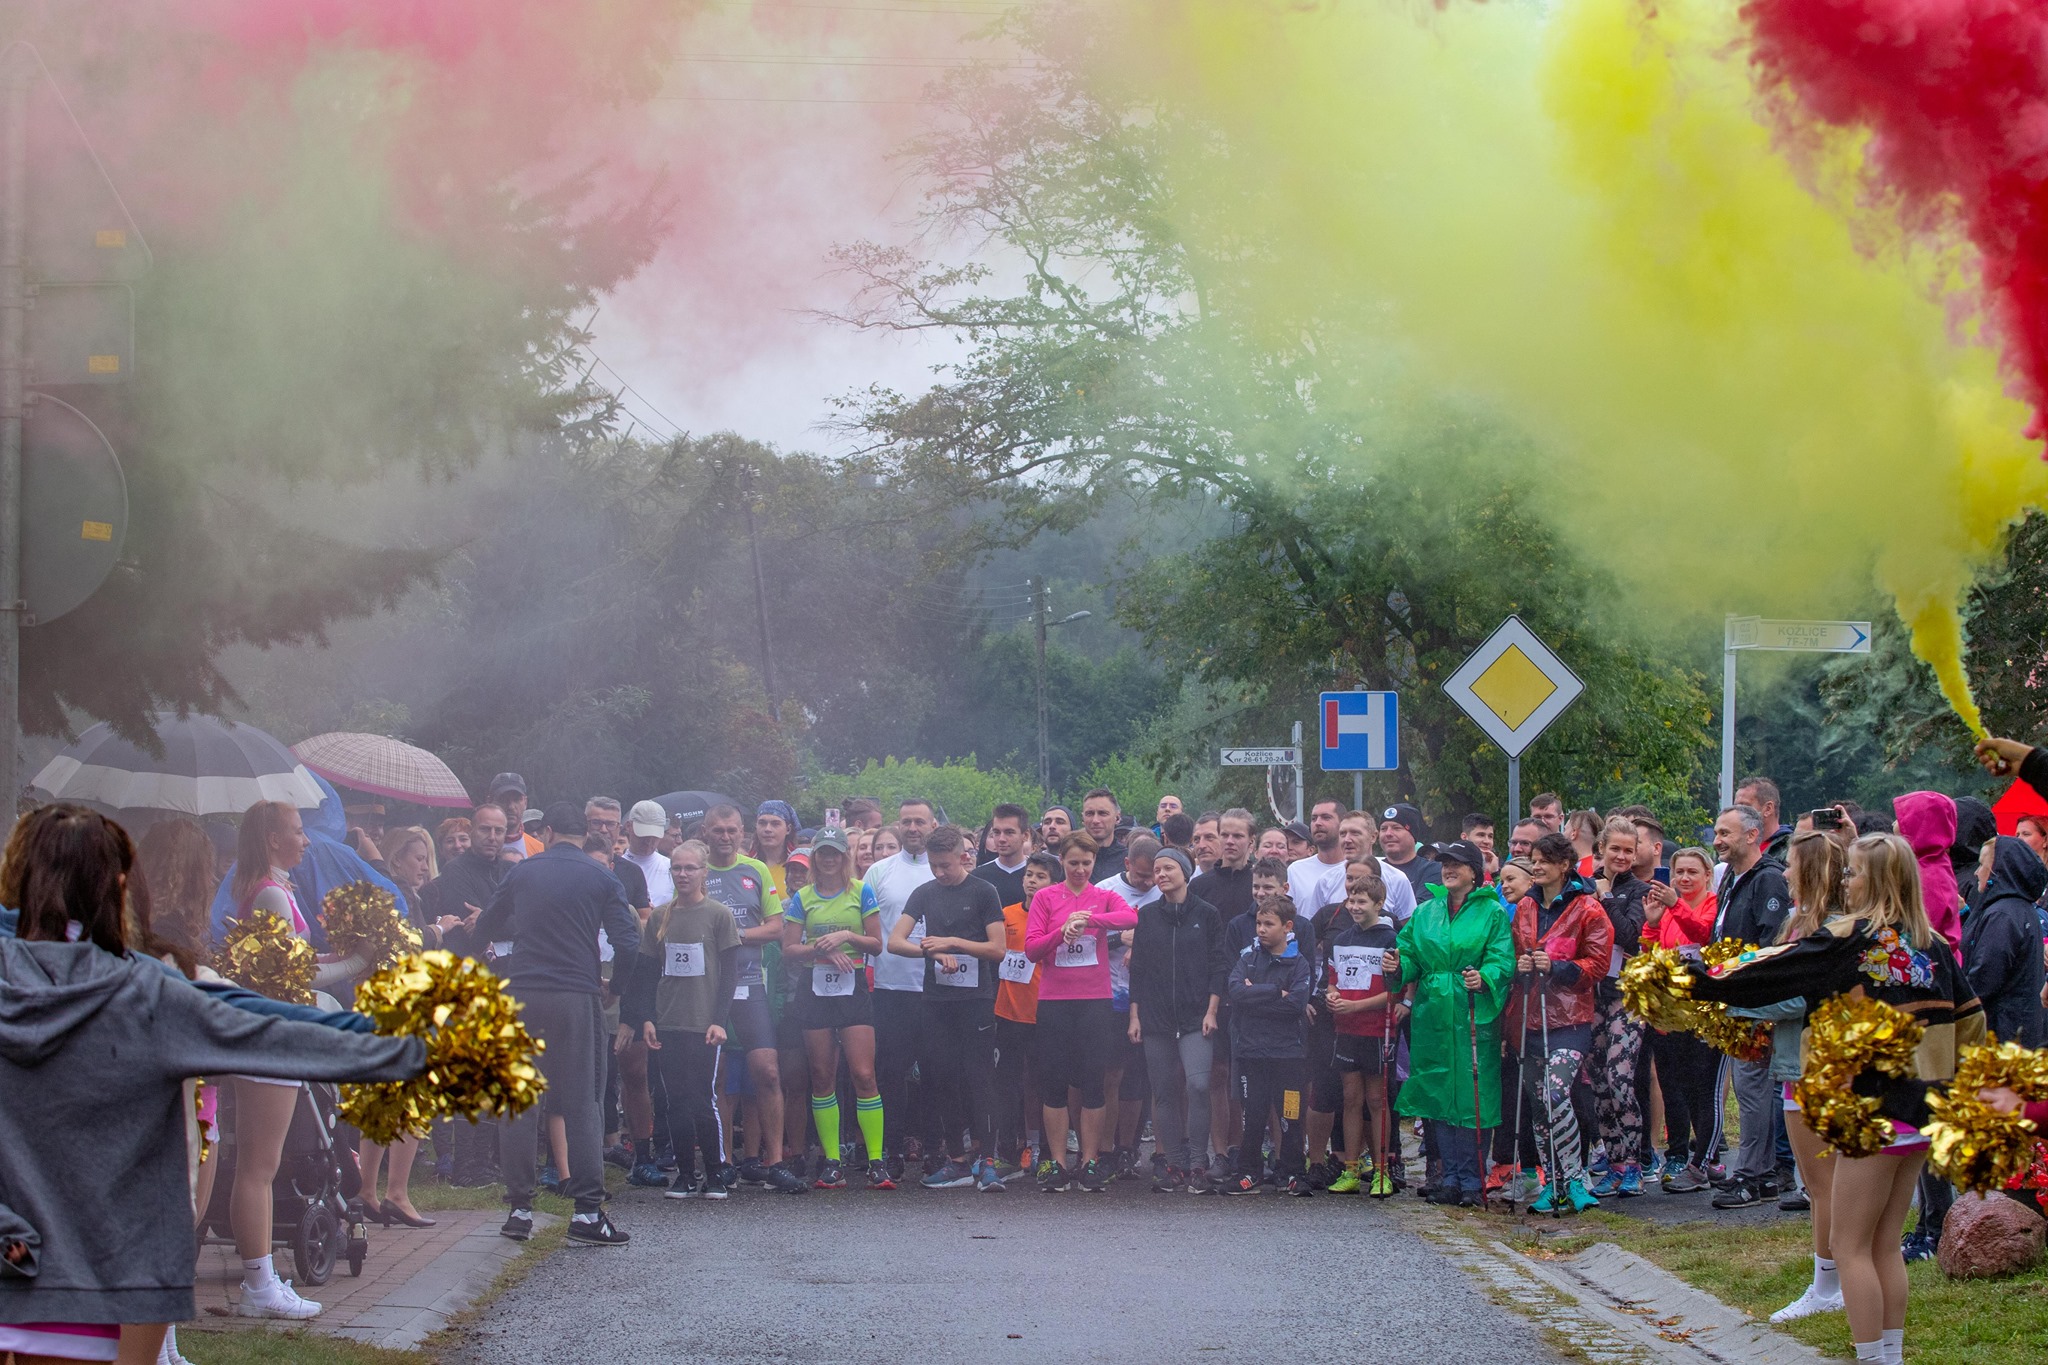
x: 93, y: 1052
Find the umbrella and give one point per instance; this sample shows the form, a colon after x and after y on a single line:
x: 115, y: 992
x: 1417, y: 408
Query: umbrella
x: 689, y: 807
x: 209, y: 767
x: 382, y: 766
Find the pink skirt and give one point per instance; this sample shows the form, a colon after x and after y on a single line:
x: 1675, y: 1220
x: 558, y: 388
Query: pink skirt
x: 64, y: 1340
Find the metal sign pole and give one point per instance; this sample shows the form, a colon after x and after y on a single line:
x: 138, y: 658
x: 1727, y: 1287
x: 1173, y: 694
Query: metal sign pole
x: 1298, y: 770
x: 1728, y: 714
x: 16, y: 73
x: 1514, y: 792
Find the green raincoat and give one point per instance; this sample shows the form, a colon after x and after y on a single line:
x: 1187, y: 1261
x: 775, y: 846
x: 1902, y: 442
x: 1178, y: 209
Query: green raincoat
x: 1436, y: 947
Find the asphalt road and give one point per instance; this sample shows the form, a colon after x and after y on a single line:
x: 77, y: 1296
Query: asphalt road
x: 928, y: 1277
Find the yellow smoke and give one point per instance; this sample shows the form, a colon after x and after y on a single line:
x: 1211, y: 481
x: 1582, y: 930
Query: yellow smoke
x: 1756, y: 398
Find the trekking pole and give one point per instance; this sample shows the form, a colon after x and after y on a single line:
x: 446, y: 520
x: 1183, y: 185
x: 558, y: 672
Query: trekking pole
x: 1478, y: 1124
x: 1550, y: 1171
x: 1515, y: 1134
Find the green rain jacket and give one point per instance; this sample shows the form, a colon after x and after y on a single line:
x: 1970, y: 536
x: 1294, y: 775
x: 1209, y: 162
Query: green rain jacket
x: 1436, y: 947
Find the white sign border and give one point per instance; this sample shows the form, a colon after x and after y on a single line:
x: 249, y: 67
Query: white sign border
x: 1510, y: 633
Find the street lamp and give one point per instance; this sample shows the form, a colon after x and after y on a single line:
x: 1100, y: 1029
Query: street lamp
x: 1039, y: 613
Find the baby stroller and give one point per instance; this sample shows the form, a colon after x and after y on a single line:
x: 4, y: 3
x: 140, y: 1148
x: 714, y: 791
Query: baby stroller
x: 315, y: 1178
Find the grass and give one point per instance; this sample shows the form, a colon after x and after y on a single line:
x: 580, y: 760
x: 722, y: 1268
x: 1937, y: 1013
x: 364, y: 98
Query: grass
x: 297, y: 1347
x: 1761, y: 1269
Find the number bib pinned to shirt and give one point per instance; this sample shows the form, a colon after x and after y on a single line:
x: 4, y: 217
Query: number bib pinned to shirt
x: 1016, y: 967
x: 830, y: 981
x: 1357, y: 968
x: 684, y: 959
x: 966, y: 972
x: 1080, y: 953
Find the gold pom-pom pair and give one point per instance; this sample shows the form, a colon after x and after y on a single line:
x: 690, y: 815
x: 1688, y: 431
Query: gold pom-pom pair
x: 362, y: 920
x: 1656, y: 987
x: 262, y: 953
x: 1846, y: 1036
x: 1975, y: 1146
x: 479, y: 1056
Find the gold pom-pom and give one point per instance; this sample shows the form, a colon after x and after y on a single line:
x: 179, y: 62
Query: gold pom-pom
x: 1846, y: 1036
x: 479, y: 1056
x: 1656, y: 987
x: 362, y: 920
x: 1974, y: 1145
x: 262, y: 953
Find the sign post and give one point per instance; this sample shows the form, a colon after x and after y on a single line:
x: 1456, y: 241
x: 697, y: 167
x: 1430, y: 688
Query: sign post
x: 1757, y: 632
x: 1361, y: 734
x: 1270, y: 757
x: 1513, y: 687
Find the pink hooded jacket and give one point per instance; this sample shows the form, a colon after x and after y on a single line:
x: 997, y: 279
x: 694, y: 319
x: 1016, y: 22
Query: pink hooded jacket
x: 1927, y: 821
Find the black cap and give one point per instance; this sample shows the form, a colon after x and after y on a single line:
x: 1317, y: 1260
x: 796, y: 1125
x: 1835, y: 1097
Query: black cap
x: 1462, y: 851
x: 565, y: 817
x: 1294, y: 829
x: 508, y: 782
x: 1401, y: 813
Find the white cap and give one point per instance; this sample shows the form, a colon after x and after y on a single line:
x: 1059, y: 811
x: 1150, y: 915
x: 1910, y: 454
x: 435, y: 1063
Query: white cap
x: 649, y: 819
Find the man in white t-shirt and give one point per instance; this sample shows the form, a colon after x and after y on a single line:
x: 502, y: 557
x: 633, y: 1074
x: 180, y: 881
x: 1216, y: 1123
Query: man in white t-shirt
x: 1318, y: 880
x: 899, y: 981
x: 646, y: 823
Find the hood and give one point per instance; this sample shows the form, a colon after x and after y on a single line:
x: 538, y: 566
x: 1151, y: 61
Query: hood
x: 48, y: 991
x: 2016, y: 872
x: 1927, y: 821
x: 1975, y: 825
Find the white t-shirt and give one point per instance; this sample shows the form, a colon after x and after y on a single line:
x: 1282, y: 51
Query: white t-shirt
x: 661, y: 883
x: 1120, y: 956
x: 892, y: 880
x: 1313, y: 884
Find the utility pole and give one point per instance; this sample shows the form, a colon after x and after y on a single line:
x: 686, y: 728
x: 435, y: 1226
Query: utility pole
x: 760, y: 593
x: 16, y: 72
x: 1039, y: 611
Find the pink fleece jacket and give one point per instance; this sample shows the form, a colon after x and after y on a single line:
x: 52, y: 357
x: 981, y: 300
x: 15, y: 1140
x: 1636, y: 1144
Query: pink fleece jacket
x: 1927, y: 821
x: 1051, y: 908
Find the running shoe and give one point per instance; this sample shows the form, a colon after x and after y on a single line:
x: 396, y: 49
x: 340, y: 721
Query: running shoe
x: 1006, y: 1171
x: 1126, y: 1159
x: 685, y: 1187
x: 953, y: 1175
x: 518, y: 1225
x: 718, y: 1183
x: 1684, y: 1180
x: 1382, y: 1185
x: 1545, y: 1200
x: 1795, y: 1200
x: 1740, y: 1195
x: 878, y: 1176
x: 1055, y: 1180
x: 1631, y: 1183
x: 988, y: 1179
x: 1608, y: 1185
x: 1499, y: 1176
x: 1045, y: 1171
x: 619, y: 1154
x: 598, y: 1231
x: 896, y: 1166
x: 1199, y: 1182
x: 550, y: 1179
x: 1094, y: 1177
x: 783, y: 1180
x: 1241, y: 1184
x: 1348, y: 1180
x: 1807, y: 1304
x: 1168, y: 1179
x: 665, y: 1156
x: 280, y: 1300
x: 830, y: 1177
x: 1581, y: 1198
x: 1298, y: 1186
x: 1159, y: 1165
x: 751, y: 1171
x: 647, y: 1175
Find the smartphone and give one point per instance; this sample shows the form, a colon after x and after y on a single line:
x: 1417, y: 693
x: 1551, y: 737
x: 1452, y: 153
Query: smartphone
x: 832, y: 820
x: 1825, y: 818
x: 1662, y: 874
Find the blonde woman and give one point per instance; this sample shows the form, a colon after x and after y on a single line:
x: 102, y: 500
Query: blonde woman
x: 1883, y: 945
x: 409, y: 859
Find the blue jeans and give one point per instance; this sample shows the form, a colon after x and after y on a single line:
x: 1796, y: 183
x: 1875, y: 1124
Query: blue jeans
x: 1458, y: 1151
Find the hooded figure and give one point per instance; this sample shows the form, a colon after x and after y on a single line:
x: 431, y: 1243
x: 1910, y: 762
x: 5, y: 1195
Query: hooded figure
x: 2002, y: 944
x: 1976, y: 826
x: 1927, y: 821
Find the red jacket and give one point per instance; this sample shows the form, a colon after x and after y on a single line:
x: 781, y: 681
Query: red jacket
x: 1582, y: 936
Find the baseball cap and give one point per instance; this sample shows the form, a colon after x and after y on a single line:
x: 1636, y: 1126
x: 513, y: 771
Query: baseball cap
x: 508, y: 782
x: 1294, y: 829
x: 801, y: 856
x: 648, y: 819
x: 1462, y: 851
x: 565, y: 817
x: 1402, y: 813
x: 532, y: 816
x: 830, y: 838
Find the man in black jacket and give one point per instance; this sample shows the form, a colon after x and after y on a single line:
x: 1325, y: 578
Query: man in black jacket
x: 1753, y: 904
x: 469, y: 880
x: 1228, y: 887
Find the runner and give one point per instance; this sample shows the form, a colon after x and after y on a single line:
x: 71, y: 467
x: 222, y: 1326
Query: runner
x: 1067, y: 932
x: 899, y: 987
x: 1124, y: 1082
x: 824, y: 929
x: 1360, y: 958
x: 954, y: 922
x: 1016, y: 1085
x: 1178, y: 968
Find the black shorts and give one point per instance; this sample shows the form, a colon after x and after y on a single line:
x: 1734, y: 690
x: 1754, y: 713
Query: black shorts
x: 817, y: 1012
x: 753, y: 1023
x: 1074, y: 1042
x: 1363, y: 1054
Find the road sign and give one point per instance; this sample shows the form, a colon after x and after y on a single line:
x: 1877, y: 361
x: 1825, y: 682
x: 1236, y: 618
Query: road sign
x: 74, y: 509
x: 1260, y: 758
x: 80, y: 232
x: 1361, y: 732
x: 1514, y: 687
x: 1812, y: 637
x: 81, y: 334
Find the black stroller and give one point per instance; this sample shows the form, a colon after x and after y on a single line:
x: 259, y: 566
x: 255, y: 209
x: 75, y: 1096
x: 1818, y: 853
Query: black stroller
x: 315, y: 1181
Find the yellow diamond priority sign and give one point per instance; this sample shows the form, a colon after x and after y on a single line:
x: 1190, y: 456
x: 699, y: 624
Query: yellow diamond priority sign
x: 1513, y: 686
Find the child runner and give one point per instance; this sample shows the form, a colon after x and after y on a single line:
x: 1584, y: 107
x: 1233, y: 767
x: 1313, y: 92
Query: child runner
x: 1016, y: 1088
x: 1269, y: 990
x: 1355, y: 991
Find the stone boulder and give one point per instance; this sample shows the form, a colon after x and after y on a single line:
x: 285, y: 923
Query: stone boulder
x: 1986, y: 1237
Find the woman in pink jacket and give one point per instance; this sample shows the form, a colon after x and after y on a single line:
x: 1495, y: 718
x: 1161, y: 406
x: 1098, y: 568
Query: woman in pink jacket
x: 1067, y: 932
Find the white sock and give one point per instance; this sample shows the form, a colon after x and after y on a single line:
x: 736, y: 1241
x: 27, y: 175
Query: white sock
x: 258, y: 1276
x: 1827, y: 1281
x: 1894, y: 1343
x: 584, y: 1218
x: 1870, y: 1350
x: 169, y: 1350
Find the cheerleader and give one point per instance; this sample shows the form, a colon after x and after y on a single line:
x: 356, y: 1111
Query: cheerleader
x: 1883, y: 947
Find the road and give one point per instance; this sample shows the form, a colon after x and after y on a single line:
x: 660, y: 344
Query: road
x: 930, y: 1277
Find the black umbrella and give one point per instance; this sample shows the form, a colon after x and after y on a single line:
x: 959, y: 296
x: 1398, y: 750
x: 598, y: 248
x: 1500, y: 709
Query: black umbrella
x: 209, y: 767
x: 689, y: 807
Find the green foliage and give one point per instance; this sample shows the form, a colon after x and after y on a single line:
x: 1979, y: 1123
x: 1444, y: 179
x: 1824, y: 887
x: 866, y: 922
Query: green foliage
x: 966, y: 791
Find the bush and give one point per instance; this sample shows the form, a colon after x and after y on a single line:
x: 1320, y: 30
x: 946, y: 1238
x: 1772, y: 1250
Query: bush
x: 1137, y: 787
x: 960, y: 787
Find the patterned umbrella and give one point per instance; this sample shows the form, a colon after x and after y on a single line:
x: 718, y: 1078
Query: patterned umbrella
x: 209, y: 767
x: 382, y: 766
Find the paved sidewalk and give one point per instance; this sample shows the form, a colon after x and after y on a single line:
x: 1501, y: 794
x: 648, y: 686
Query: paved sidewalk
x: 414, y: 1280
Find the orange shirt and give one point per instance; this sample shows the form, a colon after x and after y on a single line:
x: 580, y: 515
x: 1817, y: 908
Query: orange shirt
x: 1016, y: 1001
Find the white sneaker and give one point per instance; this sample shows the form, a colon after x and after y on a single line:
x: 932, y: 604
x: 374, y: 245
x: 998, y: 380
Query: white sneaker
x: 169, y: 1354
x: 278, y: 1301
x: 1808, y: 1304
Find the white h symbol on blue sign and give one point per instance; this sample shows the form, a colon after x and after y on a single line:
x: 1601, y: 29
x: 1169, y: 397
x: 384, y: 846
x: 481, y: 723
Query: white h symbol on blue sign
x: 1361, y: 731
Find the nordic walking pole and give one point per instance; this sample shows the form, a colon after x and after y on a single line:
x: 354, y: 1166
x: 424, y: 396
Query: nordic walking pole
x: 1478, y: 1125
x: 1550, y: 1171
x: 1515, y: 1133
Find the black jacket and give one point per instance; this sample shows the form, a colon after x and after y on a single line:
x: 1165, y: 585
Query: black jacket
x: 466, y: 879
x: 1755, y: 905
x: 1624, y: 906
x: 1268, y: 1005
x: 2002, y: 945
x: 551, y: 907
x: 1229, y: 890
x: 1177, y: 962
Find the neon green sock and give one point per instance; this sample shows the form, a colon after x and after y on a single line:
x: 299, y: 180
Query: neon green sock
x: 868, y: 1109
x: 825, y: 1113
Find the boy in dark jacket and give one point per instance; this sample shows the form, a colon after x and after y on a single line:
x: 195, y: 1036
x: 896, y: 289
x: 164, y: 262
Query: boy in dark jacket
x: 1269, y: 993
x: 2002, y: 943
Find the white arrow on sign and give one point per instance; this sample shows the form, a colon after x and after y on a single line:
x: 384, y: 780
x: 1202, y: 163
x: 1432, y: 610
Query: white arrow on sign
x: 1812, y: 637
x: 1260, y: 758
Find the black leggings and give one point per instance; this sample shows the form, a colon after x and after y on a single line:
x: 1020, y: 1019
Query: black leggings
x: 1265, y: 1085
x: 1686, y: 1072
x: 1016, y: 1070
x: 961, y: 1043
x: 689, y: 1071
x: 1073, y: 1049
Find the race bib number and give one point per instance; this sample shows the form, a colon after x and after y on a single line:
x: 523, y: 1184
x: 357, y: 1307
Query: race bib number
x: 684, y: 959
x: 1016, y: 967
x: 740, y: 992
x: 967, y: 972
x: 1357, y: 967
x: 1079, y: 953
x: 830, y: 981
x: 604, y: 946
x: 502, y: 948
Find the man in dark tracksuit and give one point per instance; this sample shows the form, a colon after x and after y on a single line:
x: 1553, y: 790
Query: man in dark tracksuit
x: 1753, y: 905
x: 550, y: 907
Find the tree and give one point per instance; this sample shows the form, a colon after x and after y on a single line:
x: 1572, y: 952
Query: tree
x: 1379, y: 533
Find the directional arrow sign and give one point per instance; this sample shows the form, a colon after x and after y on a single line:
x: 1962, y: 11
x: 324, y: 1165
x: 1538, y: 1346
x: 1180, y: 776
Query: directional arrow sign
x: 1513, y: 686
x: 1812, y: 637
x: 1260, y: 758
